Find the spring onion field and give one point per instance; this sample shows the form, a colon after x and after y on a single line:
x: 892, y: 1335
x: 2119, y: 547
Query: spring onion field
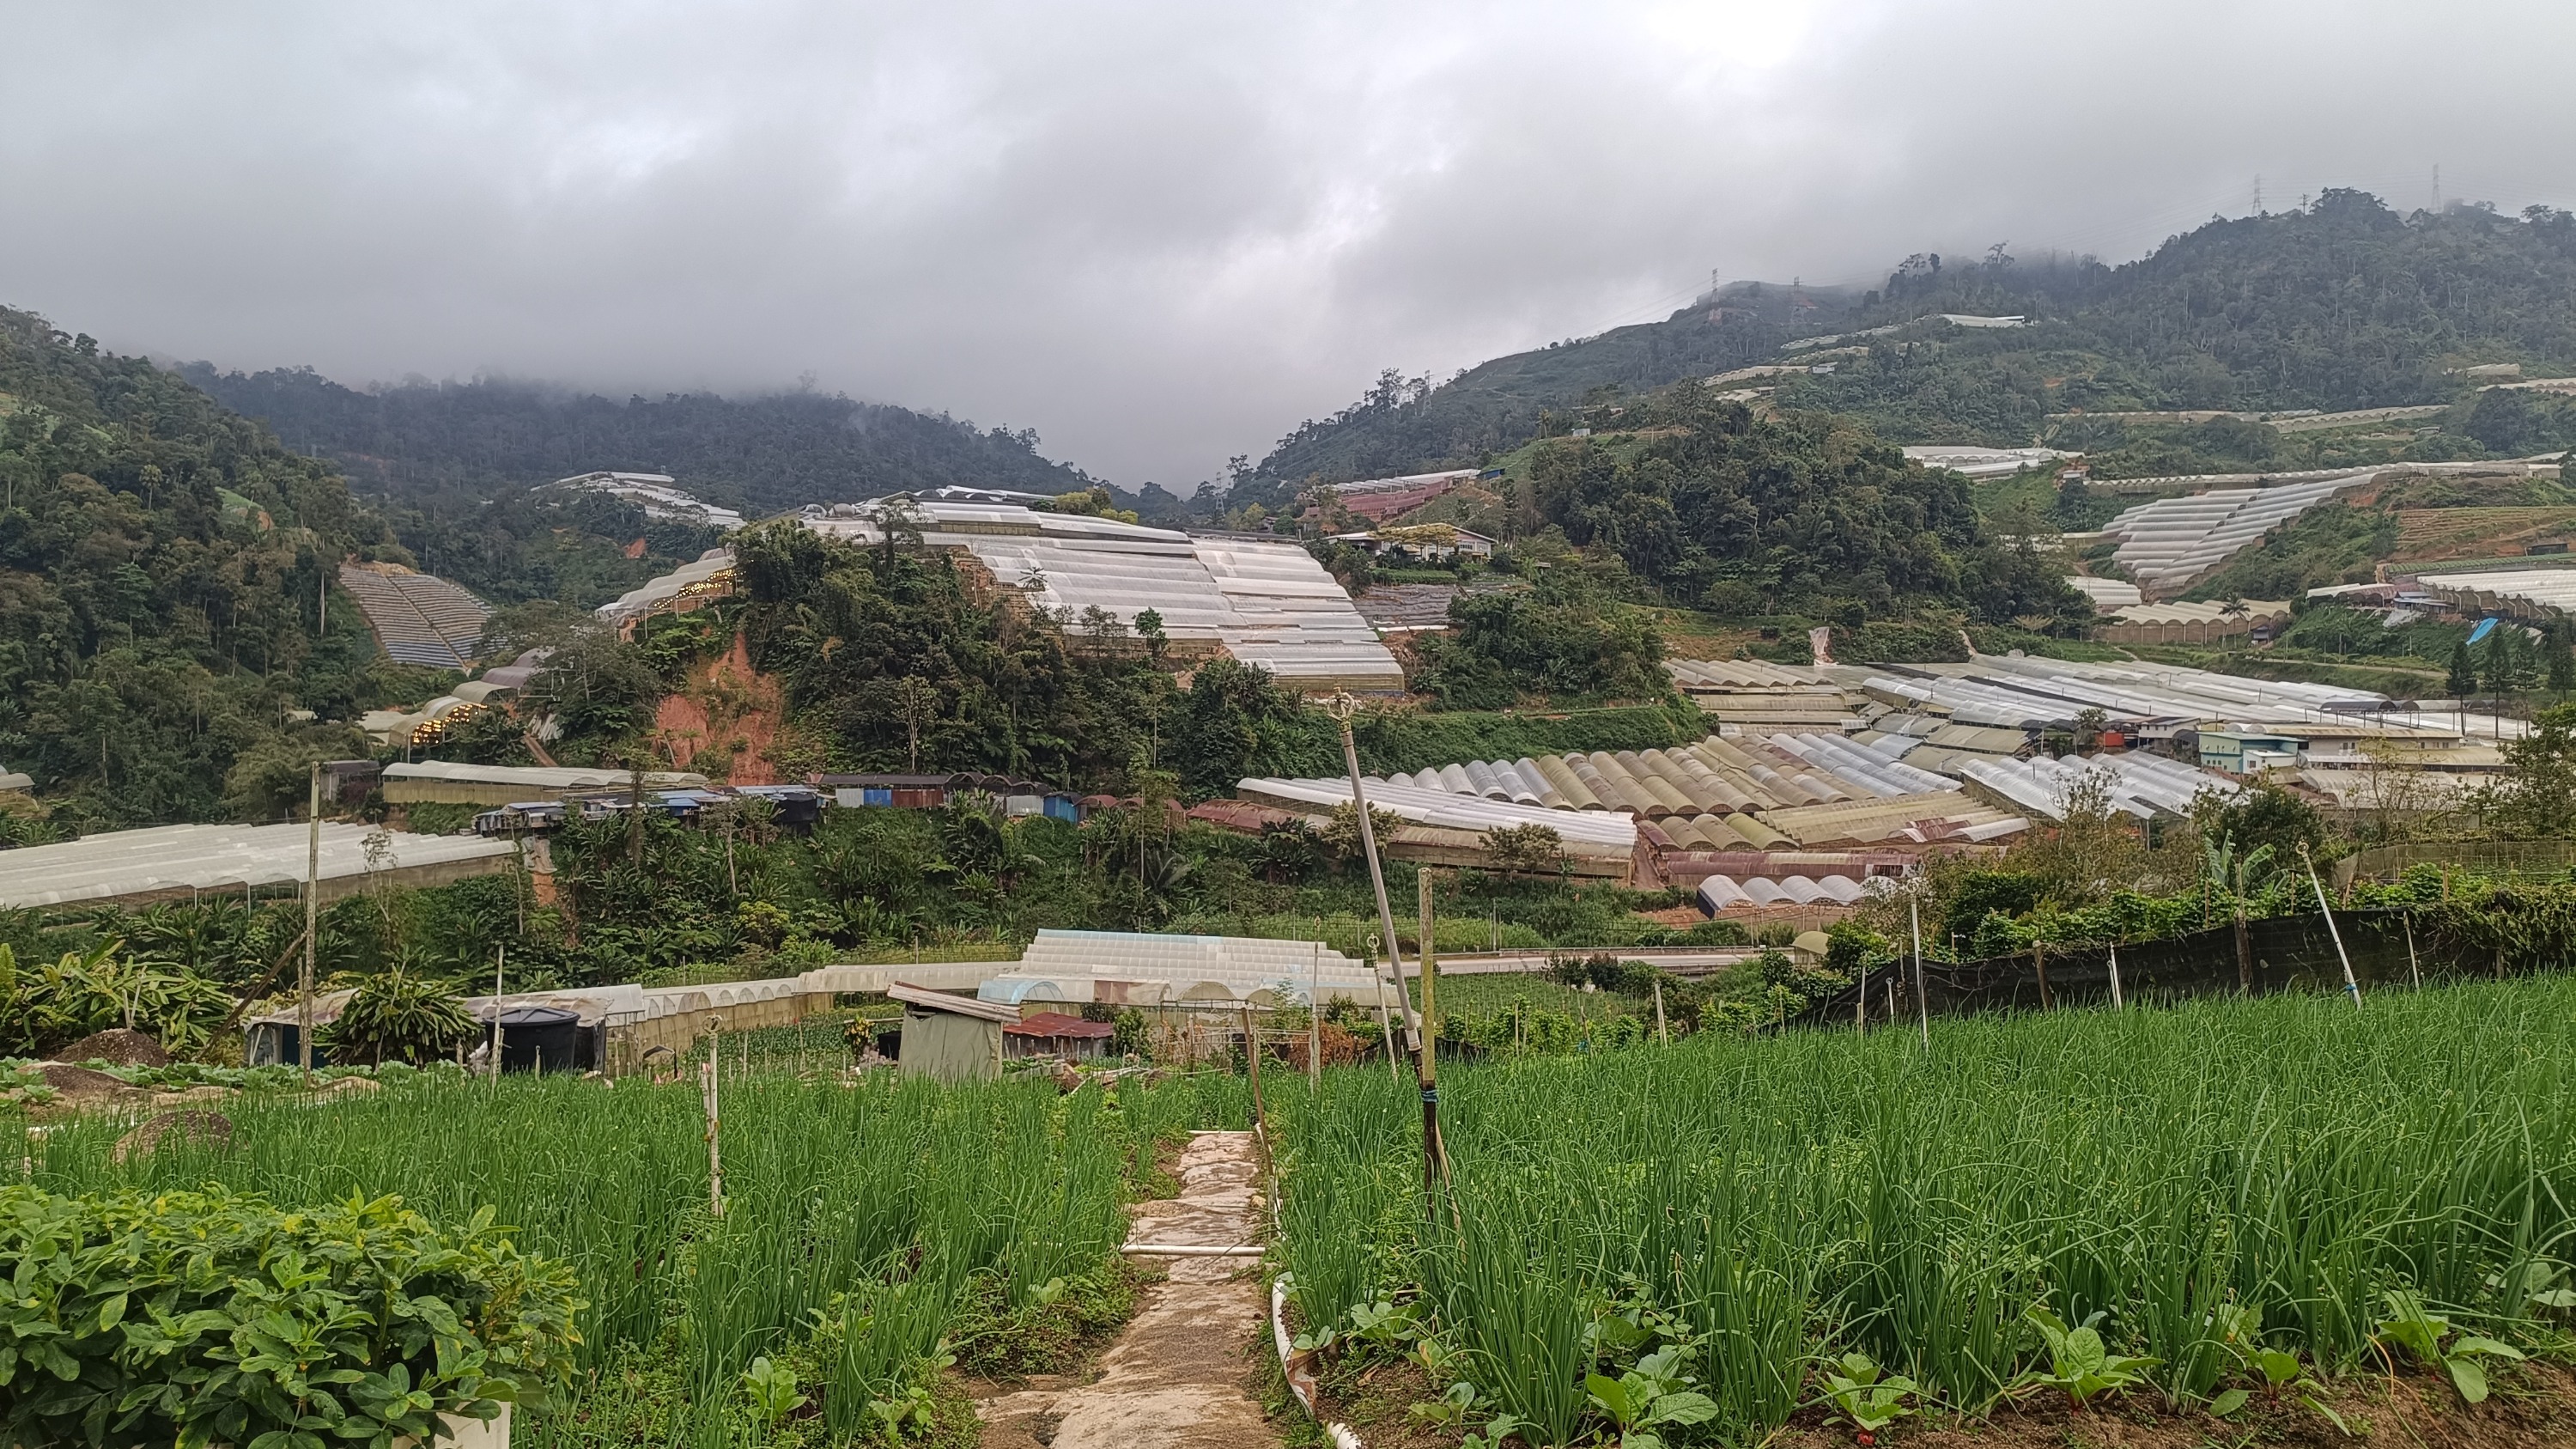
x: 1758, y: 1202
x: 857, y: 1219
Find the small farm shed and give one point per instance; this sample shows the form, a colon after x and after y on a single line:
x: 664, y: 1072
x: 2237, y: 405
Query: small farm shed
x: 1054, y: 1034
x: 952, y: 1038
x: 272, y: 1039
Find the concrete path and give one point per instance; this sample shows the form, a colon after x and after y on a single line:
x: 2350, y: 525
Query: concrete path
x: 1175, y: 1377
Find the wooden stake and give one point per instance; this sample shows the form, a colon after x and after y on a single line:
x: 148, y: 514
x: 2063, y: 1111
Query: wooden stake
x: 500, y: 959
x: 1252, y: 1064
x: 1314, y: 1015
x: 715, y: 1156
x: 2116, y: 1003
x: 2409, y: 921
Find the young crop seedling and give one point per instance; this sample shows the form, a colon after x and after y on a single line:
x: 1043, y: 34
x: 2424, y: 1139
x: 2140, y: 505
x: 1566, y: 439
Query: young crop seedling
x: 2421, y: 1333
x: 1868, y: 1400
x: 2079, y: 1365
x: 1651, y: 1395
x: 2240, y: 1328
x: 1449, y: 1411
x: 772, y: 1387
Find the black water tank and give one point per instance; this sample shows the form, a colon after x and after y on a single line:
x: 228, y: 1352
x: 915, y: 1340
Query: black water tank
x: 542, y: 1038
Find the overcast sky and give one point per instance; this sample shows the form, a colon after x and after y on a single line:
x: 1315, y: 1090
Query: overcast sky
x: 1159, y: 232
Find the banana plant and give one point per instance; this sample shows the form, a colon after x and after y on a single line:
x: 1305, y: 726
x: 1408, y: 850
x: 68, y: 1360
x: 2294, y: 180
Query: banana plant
x: 1648, y: 1397
x: 2422, y: 1333
x: 2080, y: 1366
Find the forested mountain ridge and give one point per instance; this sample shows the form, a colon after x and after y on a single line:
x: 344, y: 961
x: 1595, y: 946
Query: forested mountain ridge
x: 439, y: 444
x: 162, y: 570
x: 2340, y: 304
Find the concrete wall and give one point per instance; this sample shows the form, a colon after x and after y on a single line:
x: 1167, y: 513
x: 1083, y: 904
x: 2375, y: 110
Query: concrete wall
x: 679, y: 1031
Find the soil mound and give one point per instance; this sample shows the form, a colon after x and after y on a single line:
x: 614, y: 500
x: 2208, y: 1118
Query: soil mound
x: 119, y: 1045
x: 78, y: 1081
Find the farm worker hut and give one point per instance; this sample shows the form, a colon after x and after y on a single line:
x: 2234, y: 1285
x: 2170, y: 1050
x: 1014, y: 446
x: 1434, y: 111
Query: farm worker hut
x: 270, y: 1040
x: 951, y: 1038
x: 1054, y: 1034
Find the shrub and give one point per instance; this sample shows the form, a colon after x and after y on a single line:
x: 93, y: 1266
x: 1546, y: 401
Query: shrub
x: 398, y: 1016
x: 213, y: 1318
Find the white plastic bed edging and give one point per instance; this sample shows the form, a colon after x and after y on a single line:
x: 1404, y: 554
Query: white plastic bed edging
x: 1301, y: 1382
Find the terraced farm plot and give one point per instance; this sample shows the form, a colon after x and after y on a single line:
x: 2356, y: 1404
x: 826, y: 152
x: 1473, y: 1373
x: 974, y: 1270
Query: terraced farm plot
x: 2475, y: 532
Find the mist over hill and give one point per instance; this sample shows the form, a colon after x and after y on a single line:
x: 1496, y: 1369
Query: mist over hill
x: 434, y: 444
x: 2343, y: 303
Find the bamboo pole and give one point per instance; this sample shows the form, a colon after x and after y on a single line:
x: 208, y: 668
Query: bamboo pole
x: 2408, y: 919
x: 1435, y: 1153
x: 2117, y: 1004
x: 312, y: 915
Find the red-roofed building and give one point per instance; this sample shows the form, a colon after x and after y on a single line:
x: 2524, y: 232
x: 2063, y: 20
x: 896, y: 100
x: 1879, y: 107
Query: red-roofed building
x: 1054, y: 1034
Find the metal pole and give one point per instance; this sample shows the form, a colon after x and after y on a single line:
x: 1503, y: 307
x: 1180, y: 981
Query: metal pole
x: 2351, y: 986
x: 1662, y: 1034
x: 1922, y: 996
x: 2116, y: 1003
x: 312, y: 914
x: 500, y: 959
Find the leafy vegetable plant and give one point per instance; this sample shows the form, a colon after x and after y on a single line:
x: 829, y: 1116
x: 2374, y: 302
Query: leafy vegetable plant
x: 1649, y: 1396
x: 2421, y: 1333
x: 2240, y: 1327
x: 772, y: 1388
x: 1868, y: 1399
x: 211, y: 1318
x: 2079, y: 1365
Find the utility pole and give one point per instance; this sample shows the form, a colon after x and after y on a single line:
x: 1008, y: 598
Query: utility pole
x: 312, y: 916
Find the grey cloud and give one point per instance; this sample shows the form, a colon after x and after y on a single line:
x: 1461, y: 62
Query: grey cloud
x: 1159, y: 233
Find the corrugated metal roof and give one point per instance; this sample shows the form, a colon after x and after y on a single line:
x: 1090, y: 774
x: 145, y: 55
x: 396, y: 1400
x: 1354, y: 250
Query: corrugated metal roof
x: 122, y: 863
x: 923, y: 996
x: 537, y: 777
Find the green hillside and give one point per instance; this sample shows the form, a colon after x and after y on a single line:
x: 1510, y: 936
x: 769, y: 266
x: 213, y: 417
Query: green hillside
x: 162, y: 565
x: 2342, y: 304
x: 438, y: 445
